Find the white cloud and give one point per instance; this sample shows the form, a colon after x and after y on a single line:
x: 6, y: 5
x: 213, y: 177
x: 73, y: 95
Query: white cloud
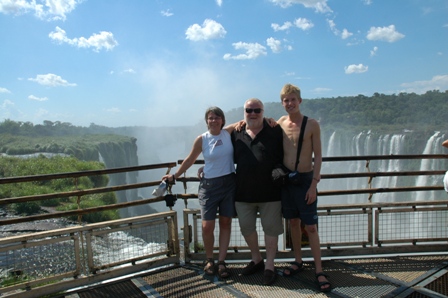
x: 373, y: 51
x: 41, y: 113
x: 8, y: 110
x: 253, y: 51
x: 32, y: 97
x: 345, y: 34
x: 113, y: 110
x: 219, y: 3
x: 438, y: 82
x: 367, y: 2
x: 353, y: 68
x: 103, y: 40
x: 388, y: 34
x: 51, y: 80
x: 285, y: 26
x: 274, y: 44
x: 210, y: 29
x: 321, y: 90
x: 51, y: 10
x: 4, y: 90
x: 129, y: 70
x: 6, y: 104
x: 318, y: 5
x: 303, y: 24
x: 166, y: 13
x: 332, y: 25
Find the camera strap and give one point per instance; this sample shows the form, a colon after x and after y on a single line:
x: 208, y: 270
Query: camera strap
x: 299, y: 145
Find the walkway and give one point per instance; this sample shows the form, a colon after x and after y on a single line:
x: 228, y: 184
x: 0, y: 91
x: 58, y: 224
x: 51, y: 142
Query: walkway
x: 402, y: 276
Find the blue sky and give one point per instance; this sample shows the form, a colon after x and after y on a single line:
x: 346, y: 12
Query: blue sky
x: 157, y: 63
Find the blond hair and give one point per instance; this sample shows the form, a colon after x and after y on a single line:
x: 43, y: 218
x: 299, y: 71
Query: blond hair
x: 289, y: 89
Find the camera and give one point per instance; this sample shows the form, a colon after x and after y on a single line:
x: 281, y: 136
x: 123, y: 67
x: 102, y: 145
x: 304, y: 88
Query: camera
x: 294, y: 178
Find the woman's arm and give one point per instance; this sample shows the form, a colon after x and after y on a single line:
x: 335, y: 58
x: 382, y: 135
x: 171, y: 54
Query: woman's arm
x: 188, y: 161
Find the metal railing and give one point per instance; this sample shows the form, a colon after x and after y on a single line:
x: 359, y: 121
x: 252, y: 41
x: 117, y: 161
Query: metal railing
x: 351, y: 229
x: 52, y: 261
x: 38, y: 263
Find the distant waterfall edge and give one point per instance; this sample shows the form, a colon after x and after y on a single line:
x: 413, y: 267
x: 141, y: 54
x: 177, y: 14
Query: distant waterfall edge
x: 340, y: 143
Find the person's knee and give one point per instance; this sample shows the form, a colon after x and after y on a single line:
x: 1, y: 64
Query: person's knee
x: 225, y: 222
x: 311, y: 229
x: 295, y: 222
x: 208, y: 227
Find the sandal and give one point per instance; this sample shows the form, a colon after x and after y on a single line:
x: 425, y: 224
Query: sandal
x: 320, y: 284
x: 293, y: 271
x: 209, y: 267
x: 223, y: 272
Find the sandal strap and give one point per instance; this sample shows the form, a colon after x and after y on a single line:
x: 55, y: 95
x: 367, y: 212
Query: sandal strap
x: 300, y: 265
x: 222, y: 263
x: 321, y: 274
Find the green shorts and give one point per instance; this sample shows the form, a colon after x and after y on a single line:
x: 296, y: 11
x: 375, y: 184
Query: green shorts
x: 270, y: 216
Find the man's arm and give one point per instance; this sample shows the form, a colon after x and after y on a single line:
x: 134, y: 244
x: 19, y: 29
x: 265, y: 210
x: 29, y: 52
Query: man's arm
x: 445, y: 143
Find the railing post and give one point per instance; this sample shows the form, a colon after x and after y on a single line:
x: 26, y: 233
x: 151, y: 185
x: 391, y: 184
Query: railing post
x: 89, y: 248
x: 377, y: 227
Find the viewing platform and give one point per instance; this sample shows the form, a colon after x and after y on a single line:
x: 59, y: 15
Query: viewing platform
x: 372, y: 245
x: 381, y: 276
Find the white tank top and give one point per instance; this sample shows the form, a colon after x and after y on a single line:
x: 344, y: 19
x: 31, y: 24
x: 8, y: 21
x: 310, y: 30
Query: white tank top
x: 218, y: 154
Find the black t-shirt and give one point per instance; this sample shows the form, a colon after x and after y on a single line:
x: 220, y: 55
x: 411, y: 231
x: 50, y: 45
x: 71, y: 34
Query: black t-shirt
x: 254, y: 161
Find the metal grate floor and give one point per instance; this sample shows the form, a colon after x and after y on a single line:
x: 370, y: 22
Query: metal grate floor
x: 403, y: 276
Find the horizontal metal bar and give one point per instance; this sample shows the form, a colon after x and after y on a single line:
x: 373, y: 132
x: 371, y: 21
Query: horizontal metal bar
x: 130, y: 261
x: 78, y: 211
x: 36, y: 282
x: 129, y: 226
x: 85, y: 173
x: 77, y: 193
x: 442, y: 241
x: 29, y: 244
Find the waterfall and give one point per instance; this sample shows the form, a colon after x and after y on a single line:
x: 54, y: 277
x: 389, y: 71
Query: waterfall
x: 369, y: 143
x: 331, y: 146
x: 433, y: 146
x: 389, y: 145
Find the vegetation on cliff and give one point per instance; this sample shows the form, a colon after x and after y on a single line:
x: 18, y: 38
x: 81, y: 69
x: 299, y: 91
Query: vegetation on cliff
x: 380, y: 112
x: 84, y: 147
x: 10, y: 167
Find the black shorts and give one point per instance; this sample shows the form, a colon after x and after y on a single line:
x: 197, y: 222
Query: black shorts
x: 294, y: 204
x: 217, y: 195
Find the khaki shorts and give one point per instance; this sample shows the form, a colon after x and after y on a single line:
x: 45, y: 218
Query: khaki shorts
x: 270, y: 216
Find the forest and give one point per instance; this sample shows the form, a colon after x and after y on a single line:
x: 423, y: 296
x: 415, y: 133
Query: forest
x: 390, y: 113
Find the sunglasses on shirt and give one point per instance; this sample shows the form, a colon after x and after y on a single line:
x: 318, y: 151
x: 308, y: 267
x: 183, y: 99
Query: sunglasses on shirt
x: 256, y: 111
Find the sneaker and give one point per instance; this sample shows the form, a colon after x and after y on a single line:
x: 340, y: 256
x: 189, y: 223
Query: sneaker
x: 251, y: 268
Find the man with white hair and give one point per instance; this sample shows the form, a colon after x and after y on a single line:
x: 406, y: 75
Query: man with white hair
x: 258, y: 147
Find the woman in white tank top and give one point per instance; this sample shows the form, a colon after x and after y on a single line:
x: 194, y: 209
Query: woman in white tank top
x: 217, y: 186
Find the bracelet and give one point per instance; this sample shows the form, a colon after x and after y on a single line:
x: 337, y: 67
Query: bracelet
x: 318, y: 180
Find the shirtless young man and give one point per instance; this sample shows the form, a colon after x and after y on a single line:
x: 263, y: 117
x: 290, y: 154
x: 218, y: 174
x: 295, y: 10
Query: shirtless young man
x: 299, y: 202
